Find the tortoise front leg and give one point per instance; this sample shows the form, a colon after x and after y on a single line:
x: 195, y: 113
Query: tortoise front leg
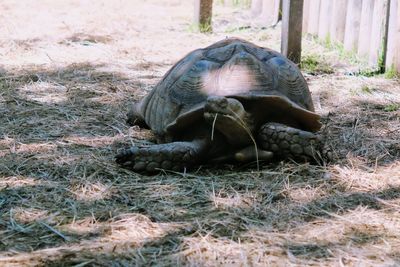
x: 288, y: 142
x: 170, y: 156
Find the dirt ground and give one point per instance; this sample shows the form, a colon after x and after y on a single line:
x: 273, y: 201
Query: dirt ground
x: 68, y: 73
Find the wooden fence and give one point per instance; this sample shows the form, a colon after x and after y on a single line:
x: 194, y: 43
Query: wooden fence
x: 290, y: 11
x: 370, y: 28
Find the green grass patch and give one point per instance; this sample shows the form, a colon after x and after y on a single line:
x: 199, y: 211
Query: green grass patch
x: 363, y: 90
x: 315, y: 64
x: 351, y: 57
x: 392, y: 107
x: 235, y: 3
x: 391, y: 73
x: 367, y: 90
x: 203, y: 28
x: 236, y: 29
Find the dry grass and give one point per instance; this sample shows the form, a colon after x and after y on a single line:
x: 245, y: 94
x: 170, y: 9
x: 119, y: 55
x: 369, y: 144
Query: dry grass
x: 68, y: 72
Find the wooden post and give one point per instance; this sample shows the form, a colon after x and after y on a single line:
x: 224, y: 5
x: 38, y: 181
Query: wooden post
x: 292, y: 18
x: 338, y: 22
x: 203, y: 15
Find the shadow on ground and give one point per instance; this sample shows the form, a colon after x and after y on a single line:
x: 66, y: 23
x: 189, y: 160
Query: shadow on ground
x: 63, y: 201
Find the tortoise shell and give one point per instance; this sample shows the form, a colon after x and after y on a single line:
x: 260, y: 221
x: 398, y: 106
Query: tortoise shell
x: 268, y: 84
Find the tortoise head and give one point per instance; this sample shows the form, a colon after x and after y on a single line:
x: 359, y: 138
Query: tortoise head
x: 230, y: 118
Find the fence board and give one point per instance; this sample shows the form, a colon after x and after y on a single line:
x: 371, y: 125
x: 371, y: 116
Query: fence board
x: 369, y: 27
x: 396, y: 61
x: 306, y: 15
x: 365, y: 27
x: 325, y: 14
x: 256, y: 7
x: 393, y: 36
x: 278, y: 11
x: 313, y: 16
x: 352, y: 29
x: 378, y: 32
x: 267, y: 13
x: 338, y: 21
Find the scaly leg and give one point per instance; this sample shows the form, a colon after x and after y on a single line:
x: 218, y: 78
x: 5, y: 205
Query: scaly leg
x: 288, y: 142
x: 170, y: 156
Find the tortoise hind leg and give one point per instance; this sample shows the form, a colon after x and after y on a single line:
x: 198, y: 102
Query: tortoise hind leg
x: 135, y: 116
x: 288, y: 142
x: 170, y: 156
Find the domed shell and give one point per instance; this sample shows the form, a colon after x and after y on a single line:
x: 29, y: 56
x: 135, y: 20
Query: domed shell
x: 261, y: 78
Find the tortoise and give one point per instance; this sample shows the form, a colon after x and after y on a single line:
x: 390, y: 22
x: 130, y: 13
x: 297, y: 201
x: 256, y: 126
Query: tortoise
x: 231, y: 101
